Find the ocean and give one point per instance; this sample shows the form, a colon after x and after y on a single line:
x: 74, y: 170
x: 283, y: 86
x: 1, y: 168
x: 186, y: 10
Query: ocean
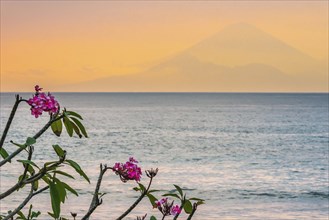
x: 249, y: 155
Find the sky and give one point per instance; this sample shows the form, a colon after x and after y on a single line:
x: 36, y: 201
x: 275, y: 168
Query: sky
x: 61, y: 43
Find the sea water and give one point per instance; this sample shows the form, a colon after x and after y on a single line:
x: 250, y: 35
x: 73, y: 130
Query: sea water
x: 250, y: 156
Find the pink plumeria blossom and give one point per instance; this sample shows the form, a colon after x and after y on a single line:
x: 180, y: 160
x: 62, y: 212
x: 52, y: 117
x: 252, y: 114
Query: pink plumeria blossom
x: 161, y: 201
x: 128, y: 171
x: 175, y: 210
x: 167, y: 208
x: 42, y: 102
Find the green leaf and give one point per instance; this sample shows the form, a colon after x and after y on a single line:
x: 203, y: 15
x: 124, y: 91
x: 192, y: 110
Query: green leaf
x: 153, y: 218
x: 63, y: 173
x: 3, y: 153
x: 61, y: 190
x: 74, y: 114
x: 49, y: 164
x: 30, y: 209
x: 57, y: 127
x: 31, y: 170
x: 46, y: 179
x: 81, y: 127
x: 196, y: 199
x: 188, y: 207
x: 142, y: 187
x: 70, y: 189
x: 30, y: 141
x: 153, y: 190
x: 59, y: 151
x: 21, y: 215
x: 35, y: 185
x: 179, y: 190
x: 29, y: 162
x: 35, y: 214
x: 19, y: 145
x: 68, y: 126
x: 55, y: 200
x: 76, y: 129
x: 152, y: 199
x: 136, y: 189
x: 51, y: 214
x: 78, y: 169
x: 172, y: 195
x: 200, y: 202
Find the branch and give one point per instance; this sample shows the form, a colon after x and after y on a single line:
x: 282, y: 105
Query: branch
x: 137, y: 201
x: 27, y: 199
x: 10, y: 119
x: 31, y: 179
x: 36, y: 136
x: 27, y: 165
x: 96, y: 201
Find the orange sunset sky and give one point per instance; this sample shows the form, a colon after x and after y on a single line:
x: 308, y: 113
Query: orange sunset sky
x: 165, y: 46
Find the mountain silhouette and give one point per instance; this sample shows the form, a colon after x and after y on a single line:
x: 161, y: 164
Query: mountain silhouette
x: 239, y: 58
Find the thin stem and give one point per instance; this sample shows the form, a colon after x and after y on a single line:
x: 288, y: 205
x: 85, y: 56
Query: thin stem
x: 36, y: 136
x: 163, y: 217
x: 32, y: 179
x: 10, y: 119
x: 137, y: 201
x: 27, y: 199
x: 96, y: 201
x: 27, y: 165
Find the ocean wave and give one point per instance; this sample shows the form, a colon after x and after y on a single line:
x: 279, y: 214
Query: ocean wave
x: 249, y: 194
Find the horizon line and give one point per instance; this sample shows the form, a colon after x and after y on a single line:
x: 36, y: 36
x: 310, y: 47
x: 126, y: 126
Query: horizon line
x: 190, y: 92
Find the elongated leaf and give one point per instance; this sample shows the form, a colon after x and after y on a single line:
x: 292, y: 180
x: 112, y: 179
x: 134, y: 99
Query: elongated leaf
x: 30, y: 209
x: 61, y: 190
x: 21, y: 216
x: 3, y: 153
x: 152, y: 199
x: 172, y: 195
x: 57, y: 127
x: 179, y: 190
x: 196, y: 199
x: 51, y: 214
x: 49, y: 163
x: 81, y: 127
x: 46, y: 179
x: 136, y: 189
x: 76, y: 129
x: 188, y: 207
x: 63, y: 173
x: 153, y: 218
x: 142, y: 187
x: 35, y: 185
x: 30, y: 141
x: 200, y: 202
x: 59, y: 151
x: 70, y: 189
x: 55, y: 200
x: 154, y: 190
x: 29, y: 162
x: 35, y: 214
x: 31, y: 170
x: 74, y: 114
x: 78, y: 169
x: 19, y: 145
x: 68, y: 126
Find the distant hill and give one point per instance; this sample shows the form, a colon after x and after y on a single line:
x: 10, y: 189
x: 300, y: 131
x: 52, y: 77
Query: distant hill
x: 239, y: 58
